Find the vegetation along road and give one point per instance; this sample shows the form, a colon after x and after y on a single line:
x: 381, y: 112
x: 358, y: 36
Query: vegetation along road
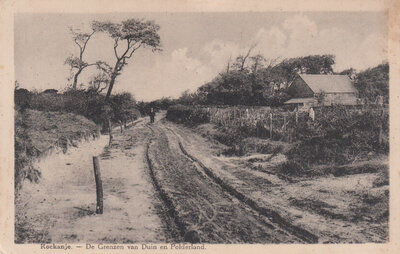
x: 164, y: 182
x: 189, y: 202
x: 271, y: 150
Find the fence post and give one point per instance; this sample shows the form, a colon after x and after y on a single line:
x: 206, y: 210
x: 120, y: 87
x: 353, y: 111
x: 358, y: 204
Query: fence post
x: 240, y: 117
x: 270, y: 126
x: 284, y: 126
x: 380, y: 125
x: 99, y: 185
x: 110, y: 132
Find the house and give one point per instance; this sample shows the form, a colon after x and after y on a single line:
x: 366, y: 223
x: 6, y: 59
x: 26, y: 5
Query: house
x: 310, y: 90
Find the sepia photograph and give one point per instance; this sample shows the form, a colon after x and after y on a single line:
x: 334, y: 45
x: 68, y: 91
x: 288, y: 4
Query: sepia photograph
x: 190, y: 129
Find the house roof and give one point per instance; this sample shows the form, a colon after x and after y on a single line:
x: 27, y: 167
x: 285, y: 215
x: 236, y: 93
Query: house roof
x: 328, y: 83
x: 301, y: 100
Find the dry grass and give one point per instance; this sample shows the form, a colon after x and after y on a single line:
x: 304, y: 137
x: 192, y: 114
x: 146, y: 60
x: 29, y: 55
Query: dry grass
x: 38, y: 132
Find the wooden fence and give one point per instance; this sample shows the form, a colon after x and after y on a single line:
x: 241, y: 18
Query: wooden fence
x: 277, y: 124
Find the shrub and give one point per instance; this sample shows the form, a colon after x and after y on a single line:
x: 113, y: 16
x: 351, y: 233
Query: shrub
x: 86, y: 103
x: 339, y: 135
x: 188, y: 115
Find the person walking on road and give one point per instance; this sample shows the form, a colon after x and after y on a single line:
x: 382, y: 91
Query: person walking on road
x: 152, y: 115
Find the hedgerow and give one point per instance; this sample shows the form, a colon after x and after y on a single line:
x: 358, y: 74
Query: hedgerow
x: 338, y: 135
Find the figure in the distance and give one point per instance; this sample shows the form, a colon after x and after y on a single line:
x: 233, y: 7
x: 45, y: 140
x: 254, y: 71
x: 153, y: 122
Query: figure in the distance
x: 152, y: 115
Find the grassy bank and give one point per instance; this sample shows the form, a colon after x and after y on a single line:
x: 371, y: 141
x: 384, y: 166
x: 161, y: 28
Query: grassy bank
x: 37, y: 133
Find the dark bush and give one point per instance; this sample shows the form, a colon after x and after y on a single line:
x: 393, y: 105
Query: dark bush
x: 339, y: 135
x: 22, y: 98
x: 188, y: 114
x: 81, y: 102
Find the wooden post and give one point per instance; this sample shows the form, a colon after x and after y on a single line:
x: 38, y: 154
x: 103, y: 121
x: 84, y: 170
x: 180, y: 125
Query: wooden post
x: 284, y: 126
x: 110, y: 132
x: 297, y: 124
x: 270, y: 126
x: 240, y: 117
x: 99, y: 185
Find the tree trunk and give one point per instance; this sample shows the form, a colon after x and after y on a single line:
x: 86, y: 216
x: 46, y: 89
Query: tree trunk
x: 76, y: 79
x: 110, y: 87
x: 112, y: 80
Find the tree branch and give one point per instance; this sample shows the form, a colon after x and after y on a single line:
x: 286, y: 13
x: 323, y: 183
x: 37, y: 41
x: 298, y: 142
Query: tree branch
x: 102, y: 89
x: 127, y: 49
x: 87, y: 65
x: 115, y: 48
x: 246, y: 56
x: 87, y: 39
x: 79, y: 45
x: 134, y: 49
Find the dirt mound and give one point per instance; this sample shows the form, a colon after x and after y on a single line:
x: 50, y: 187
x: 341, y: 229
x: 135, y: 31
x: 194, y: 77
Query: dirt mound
x: 37, y: 133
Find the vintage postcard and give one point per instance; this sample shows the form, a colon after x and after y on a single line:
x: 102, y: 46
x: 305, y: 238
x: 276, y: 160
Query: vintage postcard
x: 196, y: 126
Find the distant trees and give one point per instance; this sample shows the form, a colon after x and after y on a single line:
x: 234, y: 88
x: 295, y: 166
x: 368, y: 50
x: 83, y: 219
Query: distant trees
x: 187, y: 98
x: 257, y: 62
x: 130, y: 35
x: 253, y: 80
x: 123, y: 106
x: 373, y: 82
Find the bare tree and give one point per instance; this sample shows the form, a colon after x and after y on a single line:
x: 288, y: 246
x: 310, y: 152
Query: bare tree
x: 77, y: 63
x: 241, y: 60
x: 128, y: 36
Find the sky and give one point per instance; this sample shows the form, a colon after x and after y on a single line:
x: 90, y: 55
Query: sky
x: 196, y: 46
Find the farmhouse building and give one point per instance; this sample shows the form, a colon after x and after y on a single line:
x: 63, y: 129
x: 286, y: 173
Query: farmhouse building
x: 310, y: 90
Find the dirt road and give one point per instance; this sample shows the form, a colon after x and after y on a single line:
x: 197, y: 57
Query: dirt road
x: 163, y: 183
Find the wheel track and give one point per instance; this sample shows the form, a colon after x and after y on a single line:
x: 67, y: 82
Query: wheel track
x: 174, y: 224
x: 271, y: 215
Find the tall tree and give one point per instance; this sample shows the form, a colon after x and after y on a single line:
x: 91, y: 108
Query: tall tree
x: 76, y: 62
x: 257, y: 62
x: 128, y: 36
x: 241, y: 60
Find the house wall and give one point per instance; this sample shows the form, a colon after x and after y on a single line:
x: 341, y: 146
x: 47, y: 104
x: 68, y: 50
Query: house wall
x: 340, y: 99
x: 299, y: 89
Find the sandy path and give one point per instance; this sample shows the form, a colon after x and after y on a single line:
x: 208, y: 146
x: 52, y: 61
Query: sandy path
x: 156, y: 192
x: 333, y: 198
x: 61, y: 207
x: 201, y: 207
